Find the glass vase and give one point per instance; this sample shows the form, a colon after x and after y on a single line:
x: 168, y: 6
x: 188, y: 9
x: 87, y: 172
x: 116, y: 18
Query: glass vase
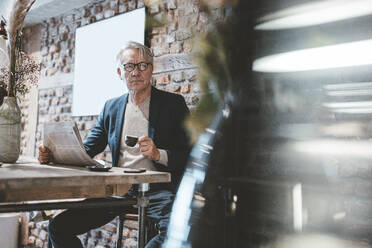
x: 10, y: 130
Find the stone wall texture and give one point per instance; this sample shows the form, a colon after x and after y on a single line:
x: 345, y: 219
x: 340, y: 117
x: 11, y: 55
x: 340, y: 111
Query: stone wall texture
x: 104, y: 237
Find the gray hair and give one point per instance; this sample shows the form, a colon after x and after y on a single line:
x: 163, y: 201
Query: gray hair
x: 143, y: 50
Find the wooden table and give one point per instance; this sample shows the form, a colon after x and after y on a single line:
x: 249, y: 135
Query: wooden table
x: 61, y: 187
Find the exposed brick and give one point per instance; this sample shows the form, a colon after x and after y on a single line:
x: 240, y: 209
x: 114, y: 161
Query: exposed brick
x: 170, y: 37
x: 154, y: 9
x: 165, y: 79
x: 183, y: 34
x: 188, y: 46
x: 107, y: 6
x: 67, y: 69
x: 55, y: 101
x: 191, y: 75
x: 55, y: 48
x: 132, y: 5
x: 133, y: 233
x: 62, y: 62
x: 158, y: 51
x: 173, y: 26
x: 126, y: 232
x: 178, y: 77
x: 31, y: 240
x: 186, y: 89
x: 132, y: 224
x: 35, y: 232
x: 176, y: 47
x: 52, y: 110
x: 179, y: 13
x: 64, y: 29
x: 170, y: 16
x: 44, y: 51
x: 63, y: 37
x: 109, y: 13
x: 171, y: 4
x: 63, y: 100
x: 66, y: 109
x: 153, y: 42
x: 173, y: 88
x: 43, y: 235
x: 159, y: 30
x: 39, y: 243
x: 123, y: 8
x: 110, y: 227
x: 140, y: 3
x: 56, y: 55
x: 130, y: 243
x: 92, y: 19
x: 86, y: 13
x: 185, y: 22
x: 69, y: 18
x: 51, y: 92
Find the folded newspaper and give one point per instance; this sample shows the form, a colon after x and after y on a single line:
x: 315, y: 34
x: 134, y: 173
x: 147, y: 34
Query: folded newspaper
x: 66, y: 145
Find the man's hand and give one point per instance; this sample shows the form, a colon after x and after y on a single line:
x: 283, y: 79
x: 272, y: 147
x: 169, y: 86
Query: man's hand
x: 148, y: 148
x: 45, y: 155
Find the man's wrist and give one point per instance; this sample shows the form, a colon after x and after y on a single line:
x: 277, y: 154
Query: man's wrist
x: 157, y: 156
x: 163, y: 157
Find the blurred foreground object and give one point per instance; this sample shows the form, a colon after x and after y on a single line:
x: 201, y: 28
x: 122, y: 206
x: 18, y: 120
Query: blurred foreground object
x: 286, y: 160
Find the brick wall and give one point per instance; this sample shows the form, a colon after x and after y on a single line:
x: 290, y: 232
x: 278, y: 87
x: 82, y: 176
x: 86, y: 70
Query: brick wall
x: 101, y: 237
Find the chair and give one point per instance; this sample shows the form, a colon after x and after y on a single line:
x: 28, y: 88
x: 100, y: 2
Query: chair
x: 150, y: 228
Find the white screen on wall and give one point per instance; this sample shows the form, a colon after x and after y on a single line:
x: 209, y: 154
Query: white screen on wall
x: 95, y: 78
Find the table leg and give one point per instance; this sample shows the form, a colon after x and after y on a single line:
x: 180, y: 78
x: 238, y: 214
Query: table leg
x: 142, y: 202
x: 119, y: 231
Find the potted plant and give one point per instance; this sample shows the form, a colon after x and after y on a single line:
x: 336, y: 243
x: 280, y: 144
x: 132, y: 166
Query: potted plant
x: 15, y: 77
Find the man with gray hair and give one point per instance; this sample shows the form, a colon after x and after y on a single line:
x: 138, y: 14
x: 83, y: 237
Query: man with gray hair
x: 156, y: 117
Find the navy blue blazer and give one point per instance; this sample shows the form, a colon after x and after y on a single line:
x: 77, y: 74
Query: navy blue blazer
x: 166, y: 129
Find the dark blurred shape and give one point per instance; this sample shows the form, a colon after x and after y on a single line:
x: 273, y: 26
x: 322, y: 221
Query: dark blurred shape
x: 3, y: 32
x: 287, y: 160
x: 3, y: 94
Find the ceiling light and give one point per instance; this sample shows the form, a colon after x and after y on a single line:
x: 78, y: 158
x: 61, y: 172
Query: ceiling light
x: 334, y: 56
x: 315, y: 13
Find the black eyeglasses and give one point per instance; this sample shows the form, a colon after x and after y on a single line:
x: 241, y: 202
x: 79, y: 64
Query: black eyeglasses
x: 142, y: 66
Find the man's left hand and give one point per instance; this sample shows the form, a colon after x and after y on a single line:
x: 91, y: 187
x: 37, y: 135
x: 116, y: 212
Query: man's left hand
x: 148, y: 148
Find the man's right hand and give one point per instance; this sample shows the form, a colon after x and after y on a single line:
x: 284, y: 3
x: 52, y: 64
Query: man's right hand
x: 45, y: 155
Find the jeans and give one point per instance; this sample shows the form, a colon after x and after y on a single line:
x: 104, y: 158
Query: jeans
x: 64, y: 228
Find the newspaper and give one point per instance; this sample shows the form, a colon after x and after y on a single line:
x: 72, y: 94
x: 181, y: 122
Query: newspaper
x: 64, y: 141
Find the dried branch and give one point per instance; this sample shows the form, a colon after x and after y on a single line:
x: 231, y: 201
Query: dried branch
x: 27, y: 75
x: 17, y: 17
x: 13, y: 34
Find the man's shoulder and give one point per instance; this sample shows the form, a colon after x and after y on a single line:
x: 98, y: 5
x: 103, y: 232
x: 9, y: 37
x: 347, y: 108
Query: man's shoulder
x: 115, y: 101
x: 168, y: 96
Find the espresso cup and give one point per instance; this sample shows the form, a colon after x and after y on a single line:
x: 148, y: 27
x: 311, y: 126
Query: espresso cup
x: 131, y: 140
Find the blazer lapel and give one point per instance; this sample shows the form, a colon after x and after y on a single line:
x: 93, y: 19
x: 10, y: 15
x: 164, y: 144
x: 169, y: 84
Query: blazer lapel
x: 119, y: 125
x: 153, y: 112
